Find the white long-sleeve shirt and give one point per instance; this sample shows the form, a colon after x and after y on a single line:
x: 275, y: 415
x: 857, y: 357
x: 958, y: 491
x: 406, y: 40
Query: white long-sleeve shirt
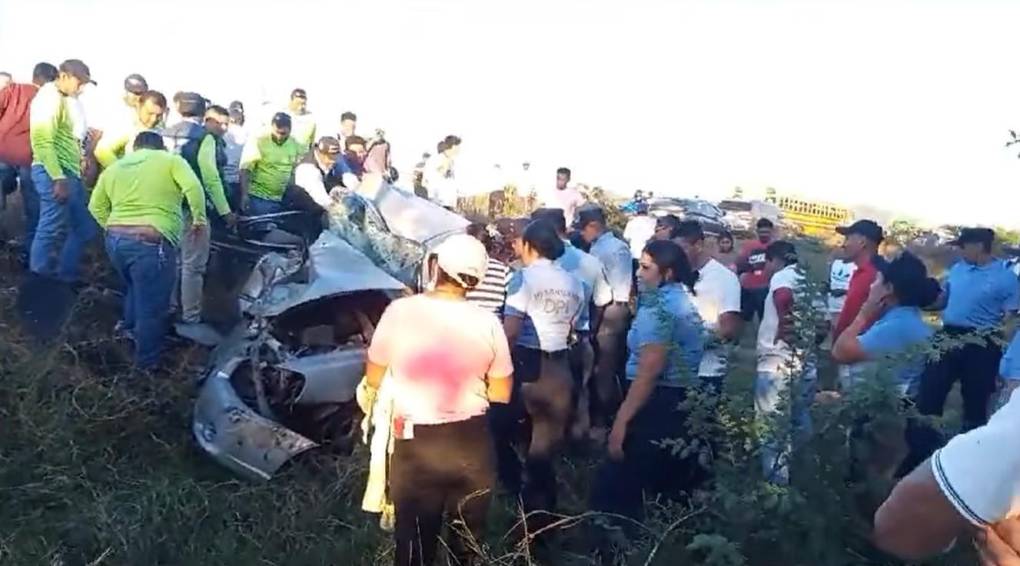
x: 438, y: 179
x: 234, y: 140
x: 308, y: 177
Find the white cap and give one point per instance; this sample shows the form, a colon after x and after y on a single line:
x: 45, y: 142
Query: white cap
x: 461, y: 254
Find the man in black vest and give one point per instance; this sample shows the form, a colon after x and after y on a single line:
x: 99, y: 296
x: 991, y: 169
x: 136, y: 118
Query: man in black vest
x: 314, y: 178
x: 200, y: 143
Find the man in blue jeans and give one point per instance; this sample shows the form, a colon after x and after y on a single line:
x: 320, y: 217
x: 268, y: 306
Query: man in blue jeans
x: 138, y: 201
x: 15, y: 147
x: 65, y: 226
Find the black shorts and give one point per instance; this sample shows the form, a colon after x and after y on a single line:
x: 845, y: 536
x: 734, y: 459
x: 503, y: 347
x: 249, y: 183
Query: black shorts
x: 752, y: 302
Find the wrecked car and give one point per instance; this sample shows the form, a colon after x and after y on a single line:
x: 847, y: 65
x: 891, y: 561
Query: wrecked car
x: 283, y: 381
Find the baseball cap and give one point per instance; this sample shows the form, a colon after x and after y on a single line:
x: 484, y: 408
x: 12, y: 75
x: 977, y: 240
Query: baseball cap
x: 867, y: 228
x: 281, y: 120
x: 974, y: 236
x: 136, y: 84
x: 328, y: 145
x: 299, y: 93
x: 77, y: 69
x: 461, y: 255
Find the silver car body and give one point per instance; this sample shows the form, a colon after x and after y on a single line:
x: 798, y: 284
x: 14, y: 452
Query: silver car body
x: 362, y: 251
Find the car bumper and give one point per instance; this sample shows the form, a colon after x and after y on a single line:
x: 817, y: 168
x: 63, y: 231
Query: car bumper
x: 253, y: 446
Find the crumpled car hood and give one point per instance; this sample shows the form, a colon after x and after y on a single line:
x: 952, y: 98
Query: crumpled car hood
x: 412, y: 217
x: 335, y: 267
x: 393, y: 228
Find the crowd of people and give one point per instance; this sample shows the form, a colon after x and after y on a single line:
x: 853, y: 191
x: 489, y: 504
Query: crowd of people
x: 581, y: 335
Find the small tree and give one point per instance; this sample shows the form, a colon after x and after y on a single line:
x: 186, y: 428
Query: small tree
x: 904, y: 231
x: 614, y: 216
x: 1007, y: 236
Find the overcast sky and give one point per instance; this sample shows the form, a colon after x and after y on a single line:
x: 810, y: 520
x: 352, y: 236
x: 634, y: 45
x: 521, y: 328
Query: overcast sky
x: 897, y: 104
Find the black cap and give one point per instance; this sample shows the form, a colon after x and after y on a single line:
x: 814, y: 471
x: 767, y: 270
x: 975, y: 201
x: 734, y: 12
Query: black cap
x: 984, y: 236
x: 281, y: 120
x: 328, y: 145
x: 77, y: 69
x: 191, y: 104
x: 589, y: 215
x: 136, y: 84
x: 236, y: 105
x: 867, y: 228
x: 299, y: 93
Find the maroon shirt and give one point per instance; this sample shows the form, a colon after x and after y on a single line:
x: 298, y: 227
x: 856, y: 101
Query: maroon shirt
x: 752, y: 257
x: 856, y: 295
x: 15, y: 146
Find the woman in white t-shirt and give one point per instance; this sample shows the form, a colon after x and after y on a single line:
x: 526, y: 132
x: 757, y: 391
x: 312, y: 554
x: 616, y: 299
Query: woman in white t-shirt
x: 448, y: 360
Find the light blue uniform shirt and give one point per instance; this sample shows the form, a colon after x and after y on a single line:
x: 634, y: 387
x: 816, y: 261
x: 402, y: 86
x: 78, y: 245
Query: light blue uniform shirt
x: 667, y: 316
x: 592, y: 274
x: 1010, y: 366
x: 979, y: 296
x: 899, y: 335
x: 549, y: 300
x: 615, y: 256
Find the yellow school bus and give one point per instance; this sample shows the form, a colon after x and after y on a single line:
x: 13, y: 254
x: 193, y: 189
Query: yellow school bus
x: 814, y: 218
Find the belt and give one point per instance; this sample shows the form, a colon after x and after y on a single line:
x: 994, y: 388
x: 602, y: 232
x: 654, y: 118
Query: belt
x: 621, y: 303
x: 144, y: 233
x: 548, y: 355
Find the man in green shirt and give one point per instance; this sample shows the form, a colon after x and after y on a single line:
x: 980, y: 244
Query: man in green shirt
x: 148, y: 115
x: 207, y: 156
x: 267, y: 164
x: 138, y: 201
x: 65, y: 226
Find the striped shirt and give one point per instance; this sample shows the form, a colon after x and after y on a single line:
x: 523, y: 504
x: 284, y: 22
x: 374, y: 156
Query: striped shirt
x: 490, y: 294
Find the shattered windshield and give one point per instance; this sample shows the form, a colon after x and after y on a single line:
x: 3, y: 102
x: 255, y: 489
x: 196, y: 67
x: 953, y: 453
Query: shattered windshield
x: 357, y: 221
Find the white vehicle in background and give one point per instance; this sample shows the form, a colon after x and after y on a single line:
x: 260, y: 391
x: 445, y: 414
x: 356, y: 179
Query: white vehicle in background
x: 743, y: 215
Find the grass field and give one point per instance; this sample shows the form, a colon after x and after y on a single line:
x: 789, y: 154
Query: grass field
x: 97, y: 468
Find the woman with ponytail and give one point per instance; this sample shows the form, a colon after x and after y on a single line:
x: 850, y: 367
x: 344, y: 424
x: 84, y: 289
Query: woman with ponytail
x: 665, y: 346
x: 901, y: 289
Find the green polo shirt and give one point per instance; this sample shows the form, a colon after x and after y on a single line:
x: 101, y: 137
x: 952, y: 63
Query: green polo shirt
x: 146, y: 188
x: 51, y: 130
x: 117, y: 143
x: 211, y: 175
x: 270, y: 165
